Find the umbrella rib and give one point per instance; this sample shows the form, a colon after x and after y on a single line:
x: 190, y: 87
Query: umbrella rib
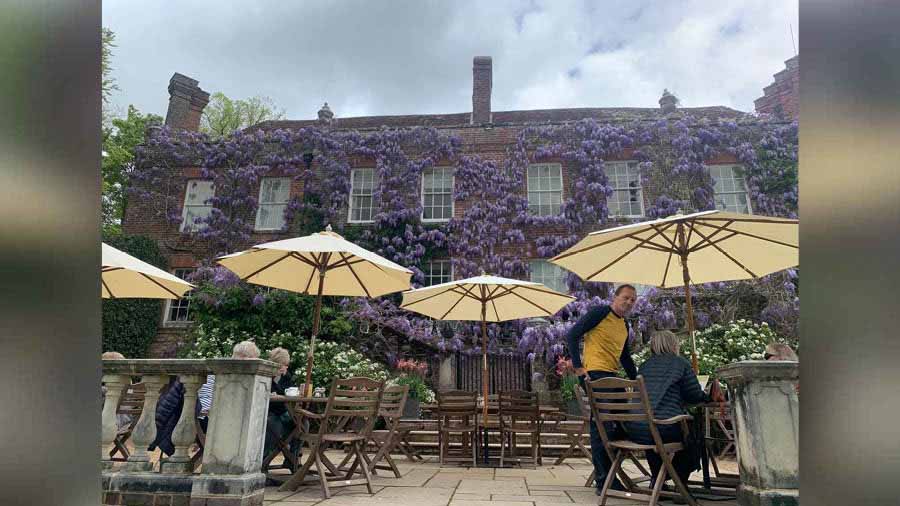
x: 254, y: 273
x: 706, y: 239
x: 361, y: 285
x: 752, y: 220
x: 714, y: 245
x: 531, y: 302
x: 345, y: 262
x: 494, y: 305
x: 312, y: 273
x: 754, y: 236
x: 157, y: 283
x: 586, y: 248
x: 706, y: 243
x: 623, y: 255
x: 666, y: 272
x: 457, y: 302
x: 110, y: 269
x: 664, y: 236
x: 111, y: 296
x: 303, y: 259
x: 548, y: 291
x: 423, y: 299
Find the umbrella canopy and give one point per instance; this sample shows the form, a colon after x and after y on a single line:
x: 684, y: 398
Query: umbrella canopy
x: 485, y: 299
x: 124, y: 276
x: 319, y: 264
x: 686, y: 248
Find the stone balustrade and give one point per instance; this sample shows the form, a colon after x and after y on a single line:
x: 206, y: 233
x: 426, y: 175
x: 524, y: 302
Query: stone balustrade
x: 232, y: 456
x: 767, y: 419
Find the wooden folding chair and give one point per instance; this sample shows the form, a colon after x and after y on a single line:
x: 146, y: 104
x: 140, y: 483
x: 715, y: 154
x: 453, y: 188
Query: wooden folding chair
x: 519, y: 414
x: 458, y: 414
x: 620, y: 400
x: 392, y: 403
x: 357, y: 399
x: 132, y: 404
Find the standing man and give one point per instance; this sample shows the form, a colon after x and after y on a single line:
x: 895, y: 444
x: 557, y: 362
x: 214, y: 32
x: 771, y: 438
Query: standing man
x: 605, y: 333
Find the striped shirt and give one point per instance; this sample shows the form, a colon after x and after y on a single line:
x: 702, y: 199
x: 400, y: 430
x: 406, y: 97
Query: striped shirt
x: 205, y: 394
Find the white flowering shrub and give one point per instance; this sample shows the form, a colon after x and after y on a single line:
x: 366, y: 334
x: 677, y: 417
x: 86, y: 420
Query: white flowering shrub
x: 331, y: 360
x: 719, y: 344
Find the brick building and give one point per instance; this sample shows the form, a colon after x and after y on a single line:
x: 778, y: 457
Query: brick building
x: 482, y: 131
x: 782, y: 97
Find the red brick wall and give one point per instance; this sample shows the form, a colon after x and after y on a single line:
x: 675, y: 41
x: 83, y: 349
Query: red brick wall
x: 782, y: 97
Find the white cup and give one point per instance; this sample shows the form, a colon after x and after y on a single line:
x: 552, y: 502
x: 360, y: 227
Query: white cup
x: 292, y: 391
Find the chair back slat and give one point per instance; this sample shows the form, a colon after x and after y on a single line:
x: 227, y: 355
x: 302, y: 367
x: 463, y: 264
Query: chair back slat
x: 457, y: 406
x: 609, y: 400
x: 518, y: 406
x: 393, y: 400
x: 355, y: 398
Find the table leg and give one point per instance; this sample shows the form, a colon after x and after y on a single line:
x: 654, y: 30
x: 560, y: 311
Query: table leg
x: 485, y: 446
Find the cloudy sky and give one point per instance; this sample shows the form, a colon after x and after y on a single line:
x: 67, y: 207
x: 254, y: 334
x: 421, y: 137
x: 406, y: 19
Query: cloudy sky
x: 414, y: 57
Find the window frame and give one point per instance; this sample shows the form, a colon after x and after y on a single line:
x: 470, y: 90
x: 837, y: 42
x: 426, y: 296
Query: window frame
x: 640, y: 188
x: 259, y: 203
x: 350, y: 199
x: 743, y: 177
x: 447, y: 261
x: 422, y: 195
x: 528, y: 189
x: 547, y: 262
x: 167, y: 322
x: 187, y: 227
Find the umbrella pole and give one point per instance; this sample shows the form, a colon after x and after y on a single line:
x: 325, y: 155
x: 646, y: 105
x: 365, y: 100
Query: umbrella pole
x: 315, y: 332
x: 484, y: 361
x: 690, y: 313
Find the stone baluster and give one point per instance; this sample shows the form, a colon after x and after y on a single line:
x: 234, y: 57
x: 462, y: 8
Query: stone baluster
x: 145, y: 431
x: 766, y: 416
x: 115, y: 384
x: 185, y: 432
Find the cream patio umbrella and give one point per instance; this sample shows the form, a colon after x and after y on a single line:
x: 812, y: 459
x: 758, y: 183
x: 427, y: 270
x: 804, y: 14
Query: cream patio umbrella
x: 319, y: 264
x: 721, y: 246
x: 485, y: 299
x: 124, y: 276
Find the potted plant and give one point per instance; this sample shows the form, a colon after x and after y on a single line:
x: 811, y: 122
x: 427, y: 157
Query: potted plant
x: 567, y: 384
x: 412, y: 373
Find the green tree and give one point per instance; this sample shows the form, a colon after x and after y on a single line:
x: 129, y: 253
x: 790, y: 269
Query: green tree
x: 107, y: 81
x: 223, y: 115
x: 119, y: 140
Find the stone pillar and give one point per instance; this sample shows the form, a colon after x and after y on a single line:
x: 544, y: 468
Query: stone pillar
x: 114, y: 384
x: 232, y: 458
x: 447, y: 373
x: 539, y: 379
x: 145, y: 431
x: 185, y: 432
x: 766, y: 415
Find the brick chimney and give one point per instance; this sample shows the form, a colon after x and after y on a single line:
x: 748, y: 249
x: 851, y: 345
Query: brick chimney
x: 782, y: 98
x: 186, y: 103
x: 481, y: 90
x: 325, y: 115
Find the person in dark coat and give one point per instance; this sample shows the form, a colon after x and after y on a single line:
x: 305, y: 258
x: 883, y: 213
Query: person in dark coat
x: 670, y: 384
x: 279, y: 422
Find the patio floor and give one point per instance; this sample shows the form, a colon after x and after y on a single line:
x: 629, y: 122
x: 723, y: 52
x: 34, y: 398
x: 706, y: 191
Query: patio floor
x: 428, y: 484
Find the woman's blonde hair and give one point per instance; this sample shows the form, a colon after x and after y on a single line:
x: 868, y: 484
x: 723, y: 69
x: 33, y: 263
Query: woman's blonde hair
x: 280, y: 356
x: 112, y: 355
x: 781, y: 351
x: 245, y: 349
x: 664, y: 342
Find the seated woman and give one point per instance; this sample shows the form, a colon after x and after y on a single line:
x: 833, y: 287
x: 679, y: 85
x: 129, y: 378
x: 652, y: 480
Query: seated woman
x: 279, y: 422
x: 670, y: 384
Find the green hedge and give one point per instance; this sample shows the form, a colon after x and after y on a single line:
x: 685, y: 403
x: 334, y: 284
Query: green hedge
x: 129, y: 325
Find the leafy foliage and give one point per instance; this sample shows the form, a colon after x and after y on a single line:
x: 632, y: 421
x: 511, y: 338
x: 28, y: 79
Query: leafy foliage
x: 129, y: 325
x: 223, y: 115
x: 107, y: 81
x: 418, y: 388
x: 119, y: 142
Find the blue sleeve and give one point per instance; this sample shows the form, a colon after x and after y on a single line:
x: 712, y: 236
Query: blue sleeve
x: 588, y: 321
x: 627, y: 362
x: 691, y: 393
